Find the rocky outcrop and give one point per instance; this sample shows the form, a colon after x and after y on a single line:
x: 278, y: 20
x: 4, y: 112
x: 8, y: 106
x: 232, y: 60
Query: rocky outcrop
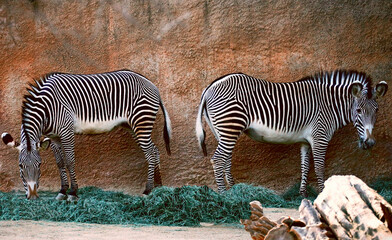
x: 346, y: 209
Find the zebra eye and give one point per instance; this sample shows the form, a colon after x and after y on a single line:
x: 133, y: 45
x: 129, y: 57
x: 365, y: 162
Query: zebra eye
x: 359, y: 111
x: 20, y: 165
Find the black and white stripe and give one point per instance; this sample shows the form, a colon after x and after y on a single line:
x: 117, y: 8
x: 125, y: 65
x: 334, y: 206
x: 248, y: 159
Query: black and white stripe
x: 308, y: 111
x: 61, y: 105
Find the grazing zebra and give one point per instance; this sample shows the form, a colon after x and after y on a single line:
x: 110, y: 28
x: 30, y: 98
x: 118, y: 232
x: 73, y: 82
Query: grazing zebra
x: 308, y: 111
x: 61, y: 105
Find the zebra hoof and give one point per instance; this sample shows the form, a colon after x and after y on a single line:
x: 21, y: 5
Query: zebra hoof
x: 61, y: 197
x: 72, y: 198
x: 304, y: 194
x: 147, y: 191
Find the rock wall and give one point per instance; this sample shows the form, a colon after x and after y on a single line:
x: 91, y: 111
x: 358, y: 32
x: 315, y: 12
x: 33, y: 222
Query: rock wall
x: 182, y: 46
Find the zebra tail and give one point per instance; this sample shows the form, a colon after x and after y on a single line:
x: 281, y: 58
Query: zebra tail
x: 200, y: 133
x: 167, y: 130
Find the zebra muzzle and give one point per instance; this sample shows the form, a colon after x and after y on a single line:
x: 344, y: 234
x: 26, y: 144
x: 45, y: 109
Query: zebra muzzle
x: 368, y: 142
x: 32, y: 192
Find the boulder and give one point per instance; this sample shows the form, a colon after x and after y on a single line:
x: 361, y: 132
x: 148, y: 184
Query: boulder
x: 346, y: 209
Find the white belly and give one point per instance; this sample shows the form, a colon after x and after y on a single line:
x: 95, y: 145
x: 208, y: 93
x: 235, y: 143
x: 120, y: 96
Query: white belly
x: 262, y: 133
x: 97, y: 127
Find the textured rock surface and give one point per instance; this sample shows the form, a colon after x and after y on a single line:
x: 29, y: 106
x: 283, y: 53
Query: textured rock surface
x: 346, y: 209
x: 182, y: 46
x: 353, y: 210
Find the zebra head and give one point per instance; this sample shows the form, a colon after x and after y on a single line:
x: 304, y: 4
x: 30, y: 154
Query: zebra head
x: 29, y: 161
x: 364, y: 109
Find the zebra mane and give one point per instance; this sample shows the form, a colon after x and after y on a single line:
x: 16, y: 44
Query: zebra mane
x: 342, y: 77
x: 32, y: 98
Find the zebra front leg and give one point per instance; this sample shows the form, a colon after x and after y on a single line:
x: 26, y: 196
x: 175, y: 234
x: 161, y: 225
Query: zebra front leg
x: 59, y: 156
x: 305, y: 150
x: 319, y: 151
x: 68, y: 146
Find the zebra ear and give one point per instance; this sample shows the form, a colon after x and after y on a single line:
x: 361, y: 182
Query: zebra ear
x: 9, y: 141
x: 355, y: 89
x: 380, y: 89
x: 44, y: 144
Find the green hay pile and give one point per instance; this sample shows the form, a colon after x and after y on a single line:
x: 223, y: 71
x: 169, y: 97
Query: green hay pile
x: 185, y: 206
x: 383, y: 185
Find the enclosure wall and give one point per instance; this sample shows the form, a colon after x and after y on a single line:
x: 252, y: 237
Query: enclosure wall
x: 182, y: 46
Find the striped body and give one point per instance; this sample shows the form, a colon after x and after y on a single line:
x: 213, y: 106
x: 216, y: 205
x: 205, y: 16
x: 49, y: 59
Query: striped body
x: 61, y: 105
x: 307, y: 111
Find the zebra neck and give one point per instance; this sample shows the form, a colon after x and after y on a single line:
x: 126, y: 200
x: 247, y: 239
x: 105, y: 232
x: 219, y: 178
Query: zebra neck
x: 30, y: 136
x: 342, y: 108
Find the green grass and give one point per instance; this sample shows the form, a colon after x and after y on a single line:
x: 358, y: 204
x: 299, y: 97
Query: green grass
x: 185, y: 206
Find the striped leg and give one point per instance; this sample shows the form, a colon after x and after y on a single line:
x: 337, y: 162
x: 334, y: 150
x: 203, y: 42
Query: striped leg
x: 228, y: 127
x: 142, y: 134
x: 229, y: 177
x: 152, y: 156
x: 68, y: 142
x: 218, y: 159
x: 319, y: 150
x: 221, y: 160
x: 305, y: 152
x: 59, y: 156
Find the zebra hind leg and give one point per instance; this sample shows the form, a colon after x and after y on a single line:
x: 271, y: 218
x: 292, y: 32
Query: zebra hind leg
x: 221, y: 161
x: 305, y: 152
x: 229, y: 177
x: 153, y: 176
x: 142, y: 136
x: 157, y: 176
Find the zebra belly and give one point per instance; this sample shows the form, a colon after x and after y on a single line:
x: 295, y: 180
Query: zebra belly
x: 97, y: 127
x: 261, y: 133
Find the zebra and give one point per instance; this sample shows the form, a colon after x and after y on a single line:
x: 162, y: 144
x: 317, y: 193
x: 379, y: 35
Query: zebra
x: 60, y: 105
x: 307, y: 111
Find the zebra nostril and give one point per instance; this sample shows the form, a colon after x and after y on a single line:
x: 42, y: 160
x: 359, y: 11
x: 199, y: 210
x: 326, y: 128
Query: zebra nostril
x: 370, y: 142
x: 366, y: 143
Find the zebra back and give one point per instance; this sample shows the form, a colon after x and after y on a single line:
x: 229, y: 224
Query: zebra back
x: 60, y: 99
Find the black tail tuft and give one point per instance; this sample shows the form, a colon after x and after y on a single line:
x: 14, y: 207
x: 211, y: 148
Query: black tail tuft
x: 166, y: 137
x: 203, y: 145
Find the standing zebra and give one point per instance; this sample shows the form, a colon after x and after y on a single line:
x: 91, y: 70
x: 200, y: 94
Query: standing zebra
x: 308, y: 111
x: 61, y: 105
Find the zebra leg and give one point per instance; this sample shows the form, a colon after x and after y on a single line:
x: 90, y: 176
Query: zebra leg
x: 157, y: 173
x: 142, y: 136
x: 221, y: 162
x: 229, y: 177
x: 319, y: 151
x: 68, y: 146
x: 59, y: 156
x: 153, y: 175
x: 305, y: 151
